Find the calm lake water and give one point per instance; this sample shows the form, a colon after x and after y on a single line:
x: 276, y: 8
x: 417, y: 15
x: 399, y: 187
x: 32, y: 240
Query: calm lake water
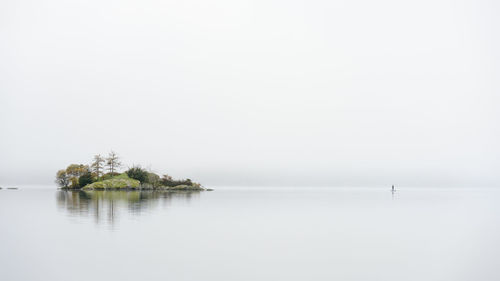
x: 251, y: 234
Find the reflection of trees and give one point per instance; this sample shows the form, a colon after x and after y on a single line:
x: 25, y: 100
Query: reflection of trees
x: 106, y: 205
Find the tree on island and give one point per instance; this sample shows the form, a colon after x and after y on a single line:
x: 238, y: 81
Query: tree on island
x: 153, y: 179
x: 75, y: 171
x: 137, y: 173
x: 144, y: 176
x: 112, y: 162
x: 70, y: 177
x: 97, y: 166
x: 85, y: 179
x: 62, y: 178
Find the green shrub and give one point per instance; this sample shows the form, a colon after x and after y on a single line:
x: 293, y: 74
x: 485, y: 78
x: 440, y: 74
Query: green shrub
x: 167, y: 180
x: 138, y: 173
x: 153, y: 179
x: 85, y: 179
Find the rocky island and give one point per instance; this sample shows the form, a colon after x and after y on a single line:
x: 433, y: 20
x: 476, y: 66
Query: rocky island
x: 93, y: 177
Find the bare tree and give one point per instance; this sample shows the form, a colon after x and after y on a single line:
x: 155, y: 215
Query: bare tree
x: 98, y: 165
x: 112, y: 162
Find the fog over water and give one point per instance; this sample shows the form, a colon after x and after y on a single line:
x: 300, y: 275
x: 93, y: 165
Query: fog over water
x: 336, y: 93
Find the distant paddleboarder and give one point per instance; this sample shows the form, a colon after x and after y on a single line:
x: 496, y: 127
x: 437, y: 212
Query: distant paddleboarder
x: 393, y: 188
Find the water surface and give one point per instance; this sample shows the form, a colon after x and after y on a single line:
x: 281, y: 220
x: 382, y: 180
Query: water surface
x: 251, y: 234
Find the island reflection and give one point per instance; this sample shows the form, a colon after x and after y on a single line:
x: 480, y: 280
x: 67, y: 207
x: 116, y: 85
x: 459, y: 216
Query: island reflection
x: 106, y: 206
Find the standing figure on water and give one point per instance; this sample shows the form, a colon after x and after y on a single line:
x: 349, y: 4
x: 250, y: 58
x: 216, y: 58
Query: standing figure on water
x: 393, y: 188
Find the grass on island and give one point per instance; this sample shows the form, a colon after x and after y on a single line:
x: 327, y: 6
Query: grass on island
x: 122, y: 182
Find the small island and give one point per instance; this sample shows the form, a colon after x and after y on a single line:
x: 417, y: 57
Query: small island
x: 93, y: 177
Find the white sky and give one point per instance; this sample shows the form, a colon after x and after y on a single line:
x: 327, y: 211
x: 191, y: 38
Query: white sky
x: 254, y: 92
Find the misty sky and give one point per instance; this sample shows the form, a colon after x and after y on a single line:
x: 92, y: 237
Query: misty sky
x: 339, y: 93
